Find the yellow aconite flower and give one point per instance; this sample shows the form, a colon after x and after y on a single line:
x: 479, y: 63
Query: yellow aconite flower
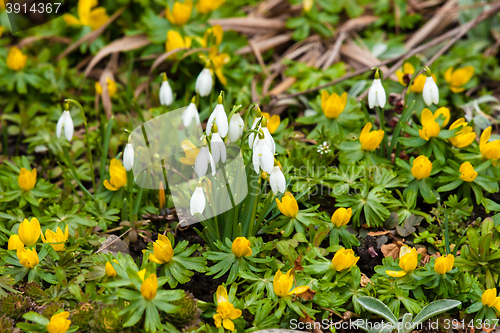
x: 190, y: 151
x: 149, y: 287
x: 93, y: 18
x: 282, y: 283
x: 28, y: 257
x: 112, y: 88
x: 118, y: 176
x: 490, y: 298
x: 408, y: 260
x: 442, y: 265
x: 27, y: 179
x: 15, y: 243
x: 341, y: 217
x: 446, y: 114
x: 456, y: 79
x: 162, y: 250
x: 16, y: 59
x: 59, y: 323
x: 430, y: 127
x: 307, y: 5
x: 110, y: 270
x: 343, y: 259
x: 333, y: 105
x: 370, y: 140
x: 421, y: 168
x: 56, y: 237
x: 489, y: 150
x: 288, y: 205
x: 226, y: 312
x: 218, y: 61
x: 142, y: 274
x: 418, y: 84
x: 29, y: 231
x: 273, y: 122
x: 207, y: 6
x: 180, y: 13
x: 215, y: 32
x: 241, y: 247
x: 465, y: 136
x: 468, y: 174
x: 176, y: 41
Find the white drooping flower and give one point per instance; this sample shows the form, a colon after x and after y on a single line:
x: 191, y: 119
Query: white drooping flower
x: 204, y: 82
x: 262, y: 156
x: 235, y: 127
x: 220, y: 118
x: 67, y: 122
x: 202, y: 161
x: 128, y: 157
x: 268, y: 138
x: 376, y: 95
x: 218, y: 148
x: 198, y: 201
x: 166, y: 95
x: 190, y: 114
x: 430, y: 93
x: 277, y: 180
x: 251, y: 136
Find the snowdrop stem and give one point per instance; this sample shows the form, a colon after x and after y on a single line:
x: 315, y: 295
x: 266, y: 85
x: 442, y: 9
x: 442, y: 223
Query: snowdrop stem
x: 381, y: 120
x: 87, y: 139
x: 233, y: 111
x: 223, y: 169
x: 130, y: 186
x: 250, y: 107
x: 247, y: 134
x: 413, y: 77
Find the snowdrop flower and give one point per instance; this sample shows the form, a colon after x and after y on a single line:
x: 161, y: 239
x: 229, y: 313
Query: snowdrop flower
x: 220, y: 118
x: 277, y: 179
x: 66, y: 122
x: 267, y: 136
x: 235, y: 127
x: 204, y: 83
x: 431, y: 91
x: 251, y: 136
x: 190, y: 114
x: 166, y: 95
x: 262, y: 156
x: 217, y: 146
x: 128, y: 156
x: 202, y: 160
x: 198, y: 201
x: 376, y: 95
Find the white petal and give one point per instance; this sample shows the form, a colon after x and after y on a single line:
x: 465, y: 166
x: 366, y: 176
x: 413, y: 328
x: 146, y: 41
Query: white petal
x: 190, y: 113
x: 426, y: 92
x: 277, y: 180
x: 235, y: 127
x: 201, y: 162
x: 218, y: 148
x: 435, y: 92
x: 266, y: 158
x: 210, y: 123
x: 372, y: 95
x: 59, y: 125
x: 255, y: 158
x: 221, y: 120
x: 381, y: 98
x: 197, y: 204
x: 67, y: 122
x: 204, y: 82
x: 269, y: 140
x: 128, y: 157
x: 251, y: 136
x: 166, y: 95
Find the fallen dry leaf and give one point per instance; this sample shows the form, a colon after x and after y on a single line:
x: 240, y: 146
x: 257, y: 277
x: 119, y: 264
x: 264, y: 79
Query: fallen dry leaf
x: 390, y: 250
x: 365, y: 280
x: 378, y: 233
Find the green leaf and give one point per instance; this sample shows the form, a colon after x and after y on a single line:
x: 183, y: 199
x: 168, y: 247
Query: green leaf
x: 436, y: 308
x: 375, y: 306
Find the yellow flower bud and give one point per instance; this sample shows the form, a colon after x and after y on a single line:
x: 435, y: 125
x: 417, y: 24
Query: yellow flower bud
x: 29, y: 231
x: 27, y: 257
x: 307, y: 5
x: 112, y: 88
x: 241, y: 247
x: 176, y: 41
x: 370, y: 140
x: 490, y: 298
x: 180, y: 13
x: 27, y: 179
x: 442, y: 265
x: 408, y: 258
x: 458, y: 78
x: 430, y: 127
x: 464, y: 137
x: 149, y: 287
x: 118, y: 176
x: 273, y: 122
x: 288, y: 205
x: 56, y: 237
x: 468, y: 174
x: 333, y: 105
x: 489, y: 150
x: 142, y: 274
x: 59, y: 323
x: 341, y: 217
x: 421, y: 168
x: 162, y: 250
x: 344, y: 259
x: 15, y: 243
x: 207, y: 6
x: 110, y: 270
x: 16, y: 60
x: 282, y: 283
